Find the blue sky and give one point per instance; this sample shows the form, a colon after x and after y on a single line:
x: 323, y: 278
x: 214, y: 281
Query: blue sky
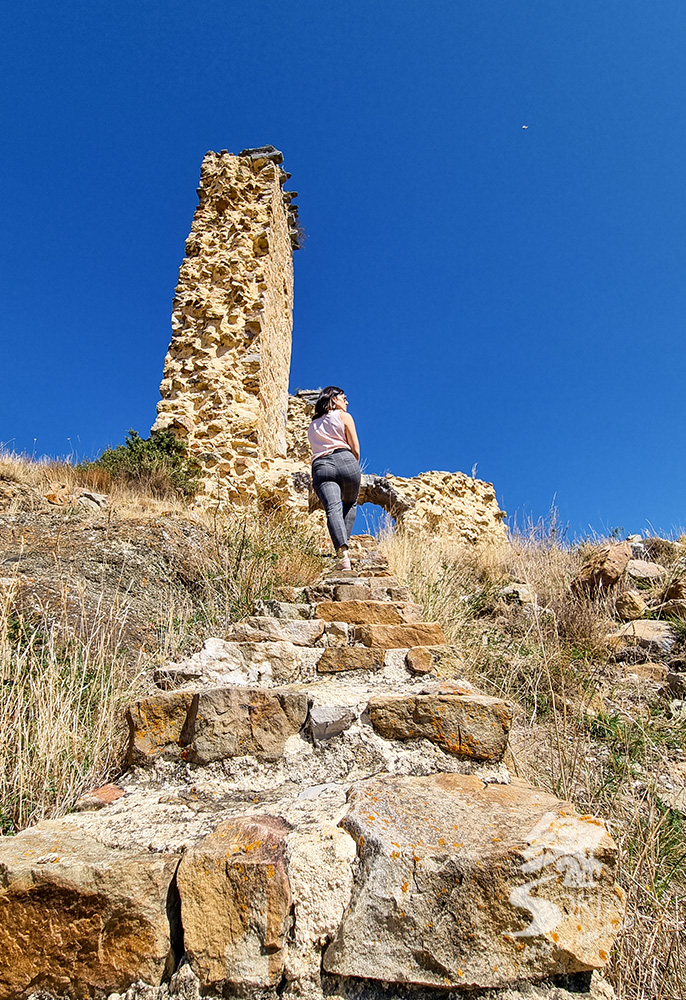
x: 487, y: 295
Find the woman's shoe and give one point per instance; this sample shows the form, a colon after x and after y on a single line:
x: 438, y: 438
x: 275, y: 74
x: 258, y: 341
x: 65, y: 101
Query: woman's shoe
x: 344, y: 565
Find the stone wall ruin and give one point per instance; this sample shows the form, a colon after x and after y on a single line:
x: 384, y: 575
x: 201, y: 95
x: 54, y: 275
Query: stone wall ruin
x: 225, y: 384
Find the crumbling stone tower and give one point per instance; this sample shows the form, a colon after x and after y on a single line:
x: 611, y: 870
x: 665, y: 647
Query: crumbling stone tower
x: 225, y: 384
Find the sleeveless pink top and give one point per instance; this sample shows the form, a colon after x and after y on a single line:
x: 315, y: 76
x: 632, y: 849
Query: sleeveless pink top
x: 326, y: 434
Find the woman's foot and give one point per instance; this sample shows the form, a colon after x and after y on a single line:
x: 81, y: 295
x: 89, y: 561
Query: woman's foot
x: 343, y: 565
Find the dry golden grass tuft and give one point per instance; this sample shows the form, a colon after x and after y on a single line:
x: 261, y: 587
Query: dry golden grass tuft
x: 582, y: 728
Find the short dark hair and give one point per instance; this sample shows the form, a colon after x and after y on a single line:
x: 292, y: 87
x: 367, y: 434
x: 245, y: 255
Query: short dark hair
x: 325, y: 400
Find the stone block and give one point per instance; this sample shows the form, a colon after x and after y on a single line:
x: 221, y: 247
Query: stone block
x: 400, y: 636
x: 369, y: 612
x: 434, y: 659
x: 472, y: 725
x: 260, y: 628
x: 338, y: 659
x: 283, y: 609
x: 326, y: 721
x: 236, y: 902
x: 465, y: 885
x: 217, y: 723
x: 80, y: 918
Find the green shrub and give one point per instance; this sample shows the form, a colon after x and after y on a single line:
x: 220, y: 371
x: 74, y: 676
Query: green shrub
x: 159, y: 465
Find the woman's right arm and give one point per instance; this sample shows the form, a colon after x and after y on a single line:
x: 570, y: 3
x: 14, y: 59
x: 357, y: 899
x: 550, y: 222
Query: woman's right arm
x: 351, y: 435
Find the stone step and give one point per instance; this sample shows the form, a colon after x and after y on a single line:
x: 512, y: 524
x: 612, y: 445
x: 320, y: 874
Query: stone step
x: 462, y: 884
x: 283, y: 609
x: 369, y: 612
x: 442, y: 659
x: 260, y: 628
x: 400, y: 636
x: 466, y: 725
x: 341, y: 659
x: 213, y: 724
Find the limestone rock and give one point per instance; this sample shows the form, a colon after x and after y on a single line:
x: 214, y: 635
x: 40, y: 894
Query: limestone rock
x: 235, y: 903
x: 77, y: 917
x: 213, y: 724
x: 641, y: 569
x: 326, y: 721
x: 260, y: 628
x: 225, y: 662
x: 400, y: 636
x: 630, y: 605
x: 283, y: 609
x: 439, y: 659
x: 648, y: 634
x: 462, y: 884
x: 369, y: 612
x: 517, y: 593
x: 473, y: 725
x: 603, y: 569
x: 338, y: 659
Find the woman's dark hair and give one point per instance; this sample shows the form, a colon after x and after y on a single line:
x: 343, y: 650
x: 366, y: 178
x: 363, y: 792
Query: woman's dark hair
x: 324, y: 402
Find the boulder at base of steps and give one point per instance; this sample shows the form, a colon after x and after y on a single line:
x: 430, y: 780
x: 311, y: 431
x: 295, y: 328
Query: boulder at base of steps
x: 462, y: 884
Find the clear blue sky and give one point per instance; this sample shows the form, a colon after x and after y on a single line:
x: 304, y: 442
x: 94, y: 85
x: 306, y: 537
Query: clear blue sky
x: 487, y: 295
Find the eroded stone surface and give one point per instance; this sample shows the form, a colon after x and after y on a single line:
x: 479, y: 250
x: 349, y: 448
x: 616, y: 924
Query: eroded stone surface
x: 335, y: 660
x: 400, y: 636
x: 235, y: 902
x: 261, y: 628
x: 212, y: 724
x: 467, y: 725
x: 603, y: 569
x: 461, y: 884
x: 369, y: 612
x: 77, y: 916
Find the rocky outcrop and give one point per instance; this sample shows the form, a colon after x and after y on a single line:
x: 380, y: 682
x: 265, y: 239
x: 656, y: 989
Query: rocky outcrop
x: 602, y: 570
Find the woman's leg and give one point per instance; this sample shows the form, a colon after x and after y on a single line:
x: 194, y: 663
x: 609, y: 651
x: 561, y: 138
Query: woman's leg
x: 349, y: 481
x: 325, y: 485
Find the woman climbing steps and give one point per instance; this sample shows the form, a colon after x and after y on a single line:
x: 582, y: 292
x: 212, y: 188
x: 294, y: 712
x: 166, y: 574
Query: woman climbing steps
x: 335, y: 467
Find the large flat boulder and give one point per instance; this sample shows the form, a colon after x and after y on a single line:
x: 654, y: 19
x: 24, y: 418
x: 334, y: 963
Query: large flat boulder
x: 236, y: 903
x: 462, y: 884
x: 467, y: 725
x: 77, y: 917
x: 215, y: 723
x: 400, y: 636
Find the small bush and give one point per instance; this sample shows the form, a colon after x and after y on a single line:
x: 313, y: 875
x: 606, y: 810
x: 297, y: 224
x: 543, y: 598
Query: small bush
x: 158, y: 465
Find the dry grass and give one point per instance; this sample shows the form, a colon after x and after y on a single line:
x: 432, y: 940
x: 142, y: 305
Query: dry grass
x: 65, y: 675
x: 60, y: 712
x: 579, y: 730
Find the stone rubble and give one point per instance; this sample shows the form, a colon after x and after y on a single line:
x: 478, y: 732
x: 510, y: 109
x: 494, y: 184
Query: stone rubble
x: 296, y: 819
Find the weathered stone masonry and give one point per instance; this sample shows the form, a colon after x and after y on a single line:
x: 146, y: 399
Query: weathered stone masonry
x: 225, y: 385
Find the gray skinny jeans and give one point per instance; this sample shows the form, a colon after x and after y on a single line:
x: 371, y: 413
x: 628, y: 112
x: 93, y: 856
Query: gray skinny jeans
x: 336, y: 481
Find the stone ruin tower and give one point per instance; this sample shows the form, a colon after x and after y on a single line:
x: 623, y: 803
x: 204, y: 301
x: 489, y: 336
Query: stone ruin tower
x: 225, y: 385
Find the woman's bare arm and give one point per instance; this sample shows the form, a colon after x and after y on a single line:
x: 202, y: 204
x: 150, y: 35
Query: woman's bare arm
x: 351, y: 435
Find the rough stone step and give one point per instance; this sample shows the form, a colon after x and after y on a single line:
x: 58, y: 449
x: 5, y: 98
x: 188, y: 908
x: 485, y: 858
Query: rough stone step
x: 338, y: 660
x: 369, y: 612
x: 283, y: 609
x: 400, y: 636
x: 463, y: 884
x: 213, y: 724
x: 80, y: 917
x: 467, y: 725
x: 223, y: 662
x: 375, y: 589
x: 260, y: 628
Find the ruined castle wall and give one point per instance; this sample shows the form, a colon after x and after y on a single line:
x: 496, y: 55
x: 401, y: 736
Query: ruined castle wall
x: 225, y: 384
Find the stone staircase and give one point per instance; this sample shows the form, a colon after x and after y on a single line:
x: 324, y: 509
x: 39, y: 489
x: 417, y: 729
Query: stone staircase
x: 309, y: 805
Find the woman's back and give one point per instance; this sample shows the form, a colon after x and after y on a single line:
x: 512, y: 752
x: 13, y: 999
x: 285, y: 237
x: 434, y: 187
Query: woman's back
x: 327, y: 434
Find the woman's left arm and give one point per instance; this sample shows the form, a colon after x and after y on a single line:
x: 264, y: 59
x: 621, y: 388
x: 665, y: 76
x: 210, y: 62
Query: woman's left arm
x: 351, y: 435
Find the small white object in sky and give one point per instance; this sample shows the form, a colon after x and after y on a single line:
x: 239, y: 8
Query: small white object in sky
x: 525, y: 126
